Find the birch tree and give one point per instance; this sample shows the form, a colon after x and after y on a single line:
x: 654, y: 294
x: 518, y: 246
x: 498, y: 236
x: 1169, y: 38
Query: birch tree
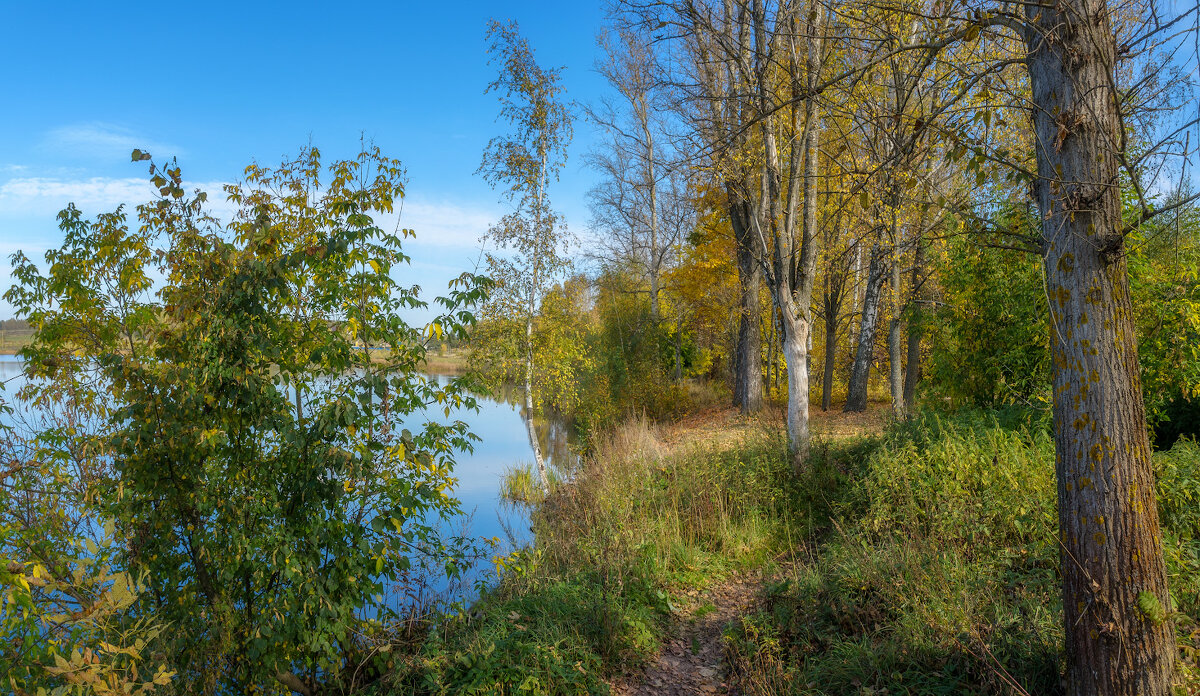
x: 522, y: 164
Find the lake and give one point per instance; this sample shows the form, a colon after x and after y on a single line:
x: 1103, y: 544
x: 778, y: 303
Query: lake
x: 503, y: 445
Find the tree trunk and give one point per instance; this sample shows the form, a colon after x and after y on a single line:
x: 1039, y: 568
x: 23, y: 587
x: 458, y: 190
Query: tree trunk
x: 747, y: 379
x: 896, y: 369
x: 860, y: 370
x: 678, y: 351
x: 830, y: 361
x: 834, y: 295
x: 1109, y: 531
x: 655, y: 254
x: 772, y: 338
x: 795, y: 341
x: 531, y: 430
x: 912, y: 366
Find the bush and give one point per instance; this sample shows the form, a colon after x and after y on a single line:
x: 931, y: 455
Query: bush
x: 942, y: 574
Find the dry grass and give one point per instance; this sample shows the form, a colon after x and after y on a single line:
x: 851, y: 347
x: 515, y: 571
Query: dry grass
x: 452, y: 362
x: 12, y: 342
x: 725, y: 425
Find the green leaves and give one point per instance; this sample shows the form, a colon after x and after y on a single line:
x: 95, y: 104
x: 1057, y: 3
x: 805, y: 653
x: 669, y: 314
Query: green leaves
x: 250, y: 407
x: 1151, y: 608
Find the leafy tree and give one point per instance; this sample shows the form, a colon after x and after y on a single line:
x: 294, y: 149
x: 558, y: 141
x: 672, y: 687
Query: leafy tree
x: 1164, y: 270
x: 68, y: 620
x: 250, y: 447
x: 521, y: 164
x: 992, y: 345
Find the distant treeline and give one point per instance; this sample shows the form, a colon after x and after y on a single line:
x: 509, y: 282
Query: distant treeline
x: 14, y: 325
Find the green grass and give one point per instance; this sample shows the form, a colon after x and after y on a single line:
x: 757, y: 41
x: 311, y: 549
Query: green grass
x: 940, y: 574
x: 920, y: 562
x: 616, y: 555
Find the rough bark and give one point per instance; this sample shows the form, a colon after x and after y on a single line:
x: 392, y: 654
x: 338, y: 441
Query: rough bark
x: 833, y: 297
x: 747, y: 378
x: 895, y: 357
x: 795, y: 340
x: 1109, y: 529
x: 860, y: 370
x: 830, y: 360
x: 772, y: 350
x: 912, y: 366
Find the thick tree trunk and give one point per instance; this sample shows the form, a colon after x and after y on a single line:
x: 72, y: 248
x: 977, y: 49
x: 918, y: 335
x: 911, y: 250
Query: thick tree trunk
x: 912, y: 365
x: 896, y: 369
x: 795, y: 350
x: 1109, y: 531
x: 836, y: 276
x: 747, y: 378
x: 860, y: 370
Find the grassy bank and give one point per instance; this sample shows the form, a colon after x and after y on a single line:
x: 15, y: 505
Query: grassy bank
x: 13, y: 340
x: 938, y: 572
x: 921, y: 561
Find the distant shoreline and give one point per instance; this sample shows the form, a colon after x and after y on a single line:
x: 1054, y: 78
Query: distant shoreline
x: 450, y: 363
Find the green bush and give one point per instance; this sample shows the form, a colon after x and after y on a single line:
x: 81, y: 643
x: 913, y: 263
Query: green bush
x: 942, y: 574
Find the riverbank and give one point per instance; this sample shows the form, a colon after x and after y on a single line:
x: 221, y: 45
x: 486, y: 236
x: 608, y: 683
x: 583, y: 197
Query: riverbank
x: 449, y: 362
x: 12, y: 340
x: 691, y: 558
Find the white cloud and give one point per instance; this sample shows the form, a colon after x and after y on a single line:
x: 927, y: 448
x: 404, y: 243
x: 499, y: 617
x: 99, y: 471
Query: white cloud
x: 445, y: 224
x: 103, y: 140
x: 43, y: 197
x: 451, y: 231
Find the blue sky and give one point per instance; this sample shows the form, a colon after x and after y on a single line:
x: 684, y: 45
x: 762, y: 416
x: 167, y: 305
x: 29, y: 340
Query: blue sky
x: 222, y: 84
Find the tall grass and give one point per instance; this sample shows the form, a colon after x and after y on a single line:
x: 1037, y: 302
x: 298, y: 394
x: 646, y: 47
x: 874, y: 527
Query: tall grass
x: 617, y: 552
x: 922, y: 561
x: 941, y: 574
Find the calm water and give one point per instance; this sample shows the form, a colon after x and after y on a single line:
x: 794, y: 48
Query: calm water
x: 503, y: 444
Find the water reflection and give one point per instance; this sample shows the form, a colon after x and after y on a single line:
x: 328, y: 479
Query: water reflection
x: 503, y: 445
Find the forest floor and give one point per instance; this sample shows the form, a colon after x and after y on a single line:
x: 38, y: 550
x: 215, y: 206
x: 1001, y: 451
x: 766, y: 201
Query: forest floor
x: 692, y: 659
x: 690, y: 557
x: 725, y: 424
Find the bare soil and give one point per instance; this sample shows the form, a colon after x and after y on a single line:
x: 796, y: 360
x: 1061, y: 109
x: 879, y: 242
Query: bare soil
x: 691, y: 660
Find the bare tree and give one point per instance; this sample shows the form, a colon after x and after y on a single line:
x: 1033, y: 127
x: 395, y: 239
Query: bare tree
x: 641, y: 205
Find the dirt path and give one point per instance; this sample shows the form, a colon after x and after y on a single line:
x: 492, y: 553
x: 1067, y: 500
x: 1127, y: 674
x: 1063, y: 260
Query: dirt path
x: 691, y: 660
